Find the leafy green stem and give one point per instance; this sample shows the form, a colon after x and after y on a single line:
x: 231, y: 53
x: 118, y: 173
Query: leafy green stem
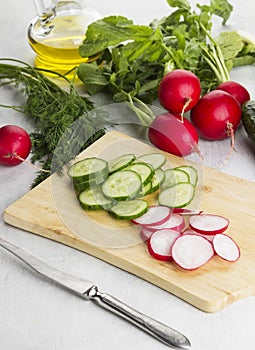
x: 215, y: 58
x: 172, y: 55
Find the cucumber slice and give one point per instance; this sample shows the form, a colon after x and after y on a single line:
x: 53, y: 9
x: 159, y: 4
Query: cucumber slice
x: 156, y: 160
x: 173, y: 176
x: 122, y: 185
x: 160, y: 175
x: 145, y: 171
x: 191, y: 171
x: 88, y: 169
x: 81, y: 186
x: 93, y: 199
x: 120, y: 162
x: 157, y: 180
x: 145, y: 190
x: 177, y: 196
x: 130, y: 209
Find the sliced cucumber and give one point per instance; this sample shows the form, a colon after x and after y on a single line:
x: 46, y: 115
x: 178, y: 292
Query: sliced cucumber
x: 191, y: 171
x: 146, y: 189
x: 145, y: 171
x: 177, y: 196
x: 118, y: 185
x: 88, y: 169
x: 157, y: 179
x: 129, y: 210
x: 173, y: 176
x: 156, y: 160
x: 120, y: 162
x: 93, y: 199
x: 81, y: 186
x: 160, y: 175
x: 122, y: 185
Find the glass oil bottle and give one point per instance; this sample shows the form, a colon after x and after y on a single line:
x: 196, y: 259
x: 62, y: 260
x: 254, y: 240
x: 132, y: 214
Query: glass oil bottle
x: 56, y: 33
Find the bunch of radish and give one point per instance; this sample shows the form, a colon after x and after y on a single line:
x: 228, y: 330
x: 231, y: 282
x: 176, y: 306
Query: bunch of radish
x: 15, y: 145
x: 190, y: 248
x: 214, y: 116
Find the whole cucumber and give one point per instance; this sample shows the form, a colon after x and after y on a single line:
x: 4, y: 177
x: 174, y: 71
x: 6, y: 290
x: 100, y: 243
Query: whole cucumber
x: 248, y: 118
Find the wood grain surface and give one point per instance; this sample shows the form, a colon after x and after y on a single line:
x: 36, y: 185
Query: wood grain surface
x: 52, y: 211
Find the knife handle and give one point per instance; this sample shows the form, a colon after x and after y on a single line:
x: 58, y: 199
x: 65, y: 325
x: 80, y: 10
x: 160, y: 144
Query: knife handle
x: 162, y: 332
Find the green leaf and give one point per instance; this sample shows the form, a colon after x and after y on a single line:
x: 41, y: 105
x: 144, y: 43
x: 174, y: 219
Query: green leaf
x: 182, y: 4
x: 112, y: 31
x: 192, y: 54
x: 221, y: 8
x: 230, y: 44
x: 92, y: 77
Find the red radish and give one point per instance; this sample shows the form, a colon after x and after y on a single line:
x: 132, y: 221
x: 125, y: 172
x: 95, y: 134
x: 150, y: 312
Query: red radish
x: 217, y: 115
x: 170, y: 134
x: 175, y: 222
x: 225, y: 247
x: 179, y: 91
x: 191, y: 251
x: 160, y: 243
x: 155, y: 215
x: 236, y: 90
x: 208, y: 224
x: 15, y: 145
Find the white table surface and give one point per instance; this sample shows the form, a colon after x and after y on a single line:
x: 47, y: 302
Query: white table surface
x: 37, y: 315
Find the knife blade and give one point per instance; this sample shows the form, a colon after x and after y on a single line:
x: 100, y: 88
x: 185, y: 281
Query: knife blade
x: 89, y: 291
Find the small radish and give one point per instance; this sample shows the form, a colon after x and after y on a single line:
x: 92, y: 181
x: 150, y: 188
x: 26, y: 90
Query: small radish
x: 174, y: 222
x: 155, y: 215
x: 236, y: 90
x: 179, y: 91
x: 170, y: 134
x: 191, y: 251
x: 15, y: 145
x: 225, y: 247
x: 208, y: 224
x: 160, y: 243
x: 217, y: 115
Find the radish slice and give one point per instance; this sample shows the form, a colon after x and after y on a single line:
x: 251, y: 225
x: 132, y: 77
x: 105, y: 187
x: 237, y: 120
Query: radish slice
x: 160, y: 244
x: 184, y: 211
x: 226, y: 248
x: 193, y: 232
x: 191, y: 251
x: 208, y: 224
x: 155, y: 215
x: 175, y: 222
x: 145, y: 234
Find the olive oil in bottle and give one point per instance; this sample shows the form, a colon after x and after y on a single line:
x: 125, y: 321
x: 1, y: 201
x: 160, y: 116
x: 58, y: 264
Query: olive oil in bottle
x: 56, y: 34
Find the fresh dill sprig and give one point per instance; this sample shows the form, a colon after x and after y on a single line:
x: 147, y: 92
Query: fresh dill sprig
x: 53, y: 111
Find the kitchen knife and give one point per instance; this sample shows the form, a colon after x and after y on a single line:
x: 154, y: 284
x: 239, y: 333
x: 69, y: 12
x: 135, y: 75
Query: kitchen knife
x: 89, y: 291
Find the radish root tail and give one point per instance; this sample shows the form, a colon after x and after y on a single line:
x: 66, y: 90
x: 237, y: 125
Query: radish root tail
x: 15, y: 155
x: 230, y: 133
x: 186, y: 104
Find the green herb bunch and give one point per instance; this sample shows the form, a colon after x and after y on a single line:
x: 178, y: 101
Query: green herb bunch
x: 134, y: 58
x: 53, y: 110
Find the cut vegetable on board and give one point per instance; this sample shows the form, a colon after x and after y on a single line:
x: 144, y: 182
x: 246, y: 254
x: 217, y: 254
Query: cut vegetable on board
x: 193, y: 246
x: 99, y: 183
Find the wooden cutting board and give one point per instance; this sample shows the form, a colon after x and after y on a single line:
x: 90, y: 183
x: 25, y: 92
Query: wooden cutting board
x: 51, y: 210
